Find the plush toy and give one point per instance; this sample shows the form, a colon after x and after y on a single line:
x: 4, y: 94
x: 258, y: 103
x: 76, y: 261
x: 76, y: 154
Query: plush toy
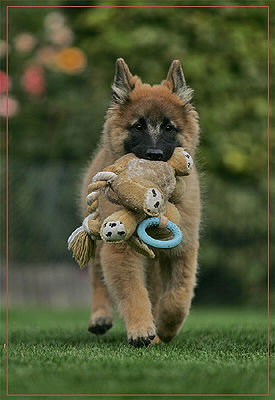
x: 143, y: 188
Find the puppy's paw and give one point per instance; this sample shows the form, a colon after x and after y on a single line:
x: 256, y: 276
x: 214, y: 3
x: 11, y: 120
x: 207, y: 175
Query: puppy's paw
x: 153, y: 202
x: 100, y: 325
x: 141, y: 337
x: 113, y: 231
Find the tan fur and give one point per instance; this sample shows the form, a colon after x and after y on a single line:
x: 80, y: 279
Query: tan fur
x: 151, y: 296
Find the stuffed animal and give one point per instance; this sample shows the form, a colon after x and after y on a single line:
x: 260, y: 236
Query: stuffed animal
x: 143, y: 188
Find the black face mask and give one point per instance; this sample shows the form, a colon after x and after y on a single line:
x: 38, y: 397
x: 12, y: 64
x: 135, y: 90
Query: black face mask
x: 153, y: 141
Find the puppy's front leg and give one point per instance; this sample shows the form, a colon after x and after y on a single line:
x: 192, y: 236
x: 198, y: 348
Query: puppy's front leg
x: 179, y: 279
x: 123, y: 273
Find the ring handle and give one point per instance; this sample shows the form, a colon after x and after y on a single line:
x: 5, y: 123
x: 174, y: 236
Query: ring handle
x: 160, y: 244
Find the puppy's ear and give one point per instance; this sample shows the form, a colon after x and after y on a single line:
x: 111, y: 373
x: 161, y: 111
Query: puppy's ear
x: 176, y: 82
x: 123, y: 82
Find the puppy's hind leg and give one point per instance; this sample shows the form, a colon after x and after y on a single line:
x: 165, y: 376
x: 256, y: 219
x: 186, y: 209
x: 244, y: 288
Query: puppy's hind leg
x: 102, y: 309
x: 153, y: 280
x: 154, y: 287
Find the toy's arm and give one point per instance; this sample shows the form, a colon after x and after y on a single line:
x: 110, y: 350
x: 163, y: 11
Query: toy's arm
x: 120, y: 165
x: 100, y: 180
x: 109, y: 173
x: 181, y: 161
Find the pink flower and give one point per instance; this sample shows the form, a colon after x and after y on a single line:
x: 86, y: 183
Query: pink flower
x: 4, y: 82
x: 46, y: 56
x: 54, y: 20
x: 25, y: 42
x: 13, y: 106
x: 62, y: 36
x: 33, y: 80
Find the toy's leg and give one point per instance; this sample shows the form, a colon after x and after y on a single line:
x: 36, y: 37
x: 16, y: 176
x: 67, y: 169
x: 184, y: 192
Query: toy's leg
x: 179, y: 279
x: 123, y: 273
x: 102, y: 309
x: 120, y: 226
x: 172, y: 213
x: 142, y: 196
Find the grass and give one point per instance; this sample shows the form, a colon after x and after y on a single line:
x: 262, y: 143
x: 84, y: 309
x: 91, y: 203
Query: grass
x: 218, y: 351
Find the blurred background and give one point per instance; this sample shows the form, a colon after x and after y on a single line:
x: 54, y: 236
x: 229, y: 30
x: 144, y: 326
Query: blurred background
x: 61, y: 66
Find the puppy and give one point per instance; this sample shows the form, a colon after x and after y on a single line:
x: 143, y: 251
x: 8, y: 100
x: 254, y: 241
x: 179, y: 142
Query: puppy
x: 152, y: 297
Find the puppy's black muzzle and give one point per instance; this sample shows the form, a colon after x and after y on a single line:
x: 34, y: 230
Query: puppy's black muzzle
x: 154, y: 154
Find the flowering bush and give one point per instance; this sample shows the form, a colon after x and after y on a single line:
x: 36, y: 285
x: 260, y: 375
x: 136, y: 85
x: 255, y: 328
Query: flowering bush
x: 70, y: 60
x: 57, y: 107
x: 35, y: 55
x: 12, y: 106
x: 24, y: 42
x: 33, y: 80
x: 5, y: 82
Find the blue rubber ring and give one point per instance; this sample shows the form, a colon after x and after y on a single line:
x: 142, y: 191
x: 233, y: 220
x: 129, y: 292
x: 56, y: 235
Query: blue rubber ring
x: 160, y: 244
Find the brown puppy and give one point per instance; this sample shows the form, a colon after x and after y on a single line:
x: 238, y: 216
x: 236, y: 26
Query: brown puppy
x: 153, y: 297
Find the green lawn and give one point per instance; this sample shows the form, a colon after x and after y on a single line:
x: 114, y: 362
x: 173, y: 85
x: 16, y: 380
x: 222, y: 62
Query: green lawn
x: 218, y: 351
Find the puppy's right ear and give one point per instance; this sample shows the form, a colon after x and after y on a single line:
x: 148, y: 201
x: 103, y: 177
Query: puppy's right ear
x: 123, y: 82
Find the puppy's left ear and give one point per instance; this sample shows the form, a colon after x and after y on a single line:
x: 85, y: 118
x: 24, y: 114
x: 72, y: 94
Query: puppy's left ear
x: 176, y: 82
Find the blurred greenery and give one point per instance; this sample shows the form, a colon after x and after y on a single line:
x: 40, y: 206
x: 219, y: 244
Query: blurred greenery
x: 224, y: 56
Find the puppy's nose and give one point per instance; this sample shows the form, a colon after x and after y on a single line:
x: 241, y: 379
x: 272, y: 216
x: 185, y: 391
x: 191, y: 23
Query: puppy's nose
x: 154, y: 154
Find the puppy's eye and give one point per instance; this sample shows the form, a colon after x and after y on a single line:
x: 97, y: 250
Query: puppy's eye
x: 138, y: 126
x: 169, y: 127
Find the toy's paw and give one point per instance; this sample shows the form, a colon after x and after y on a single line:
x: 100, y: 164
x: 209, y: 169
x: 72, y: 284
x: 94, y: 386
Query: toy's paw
x: 153, y: 202
x: 113, y: 231
x: 188, y: 159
